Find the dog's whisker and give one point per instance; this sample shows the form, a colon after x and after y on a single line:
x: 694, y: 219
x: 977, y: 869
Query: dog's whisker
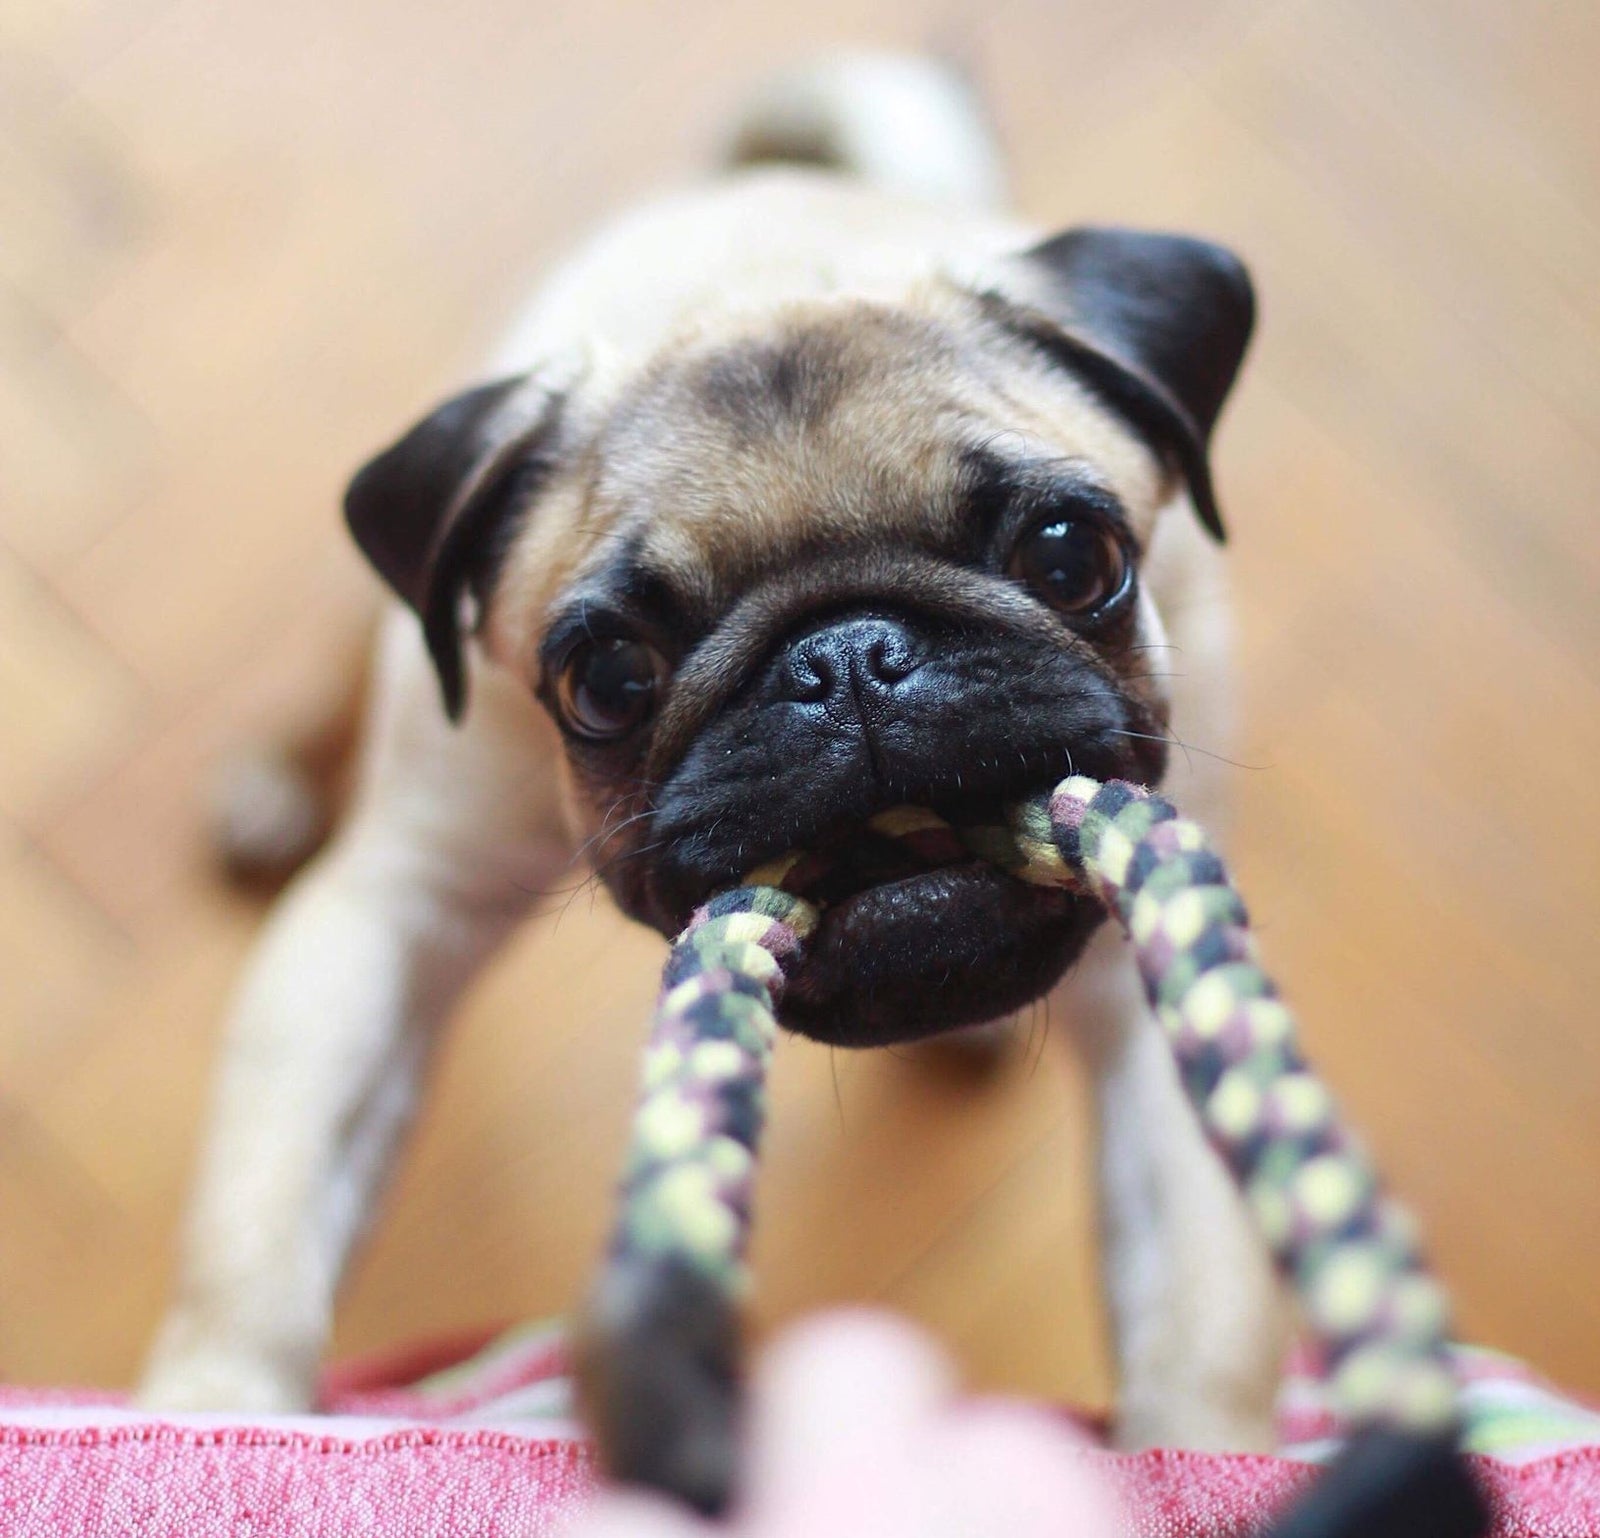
x: 606, y: 834
x: 1043, y: 1007
x: 602, y: 871
x: 1189, y: 747
x: 572, y: 897
x: 589, y: 843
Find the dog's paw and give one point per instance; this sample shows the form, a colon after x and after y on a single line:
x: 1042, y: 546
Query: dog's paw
x: 267, y: 817
x: 217, y: 1379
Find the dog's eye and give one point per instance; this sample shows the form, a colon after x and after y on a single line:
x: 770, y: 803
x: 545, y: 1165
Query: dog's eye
x: 1078, y: 566
x: 608, y: 687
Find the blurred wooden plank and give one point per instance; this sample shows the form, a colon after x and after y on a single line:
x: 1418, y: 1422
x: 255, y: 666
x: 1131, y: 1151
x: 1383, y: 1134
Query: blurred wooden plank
x: 1072, y: 81
x: 63, y: 696
x: 1439, y: 184
x: 63, y: 960
x: 1012, y: 1287
x: 1453, y: 276
x: 877, y: 1155
x: 47, y: 47
x: 137, y: 839
x: 55, y: 1216
x: 70, y: 209
x: 1425, y: 1027
x: 1434, y: 647
x: 128, y: 1114
x: 1528, y: 67
x: 78, y: 452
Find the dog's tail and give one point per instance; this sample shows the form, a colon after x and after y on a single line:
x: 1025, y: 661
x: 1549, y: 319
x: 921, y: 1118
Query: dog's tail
x: 908, y: 124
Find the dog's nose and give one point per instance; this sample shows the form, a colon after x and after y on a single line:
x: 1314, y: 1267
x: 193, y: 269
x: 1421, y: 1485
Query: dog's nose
x: 852, y: 661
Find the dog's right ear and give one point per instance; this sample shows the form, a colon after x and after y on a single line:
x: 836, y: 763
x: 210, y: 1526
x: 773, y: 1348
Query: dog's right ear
x: 434, y: 512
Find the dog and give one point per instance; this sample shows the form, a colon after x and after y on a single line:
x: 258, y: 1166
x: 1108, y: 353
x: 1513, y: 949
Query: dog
x: 821, y: 488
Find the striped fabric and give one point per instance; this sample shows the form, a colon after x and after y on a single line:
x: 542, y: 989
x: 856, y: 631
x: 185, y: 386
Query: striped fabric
x: 518, y: 1381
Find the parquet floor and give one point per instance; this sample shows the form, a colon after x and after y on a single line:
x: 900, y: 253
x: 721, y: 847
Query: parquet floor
x: 241, y: 240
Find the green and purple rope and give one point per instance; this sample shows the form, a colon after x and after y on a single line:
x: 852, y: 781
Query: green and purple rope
x: 686, y: 1188
x: 1348, y: 1250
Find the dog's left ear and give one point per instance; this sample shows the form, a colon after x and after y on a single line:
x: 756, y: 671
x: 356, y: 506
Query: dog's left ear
x: 1156, y: 324
x: 434, y: 511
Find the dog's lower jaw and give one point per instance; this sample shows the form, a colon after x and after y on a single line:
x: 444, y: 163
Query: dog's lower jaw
x: 953, y: 948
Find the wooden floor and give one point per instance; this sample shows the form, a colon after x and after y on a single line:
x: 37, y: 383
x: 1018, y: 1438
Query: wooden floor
x: 242, y: 240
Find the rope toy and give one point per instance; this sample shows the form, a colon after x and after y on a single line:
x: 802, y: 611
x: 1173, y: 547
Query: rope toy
x: 659, y: 1354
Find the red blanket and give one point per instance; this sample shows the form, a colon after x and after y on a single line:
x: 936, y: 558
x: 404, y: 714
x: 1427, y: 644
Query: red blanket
x: 471, y: 1443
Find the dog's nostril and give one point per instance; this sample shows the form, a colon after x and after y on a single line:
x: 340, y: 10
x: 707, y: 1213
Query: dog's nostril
x: 809, y: 676
x: 889, y: 659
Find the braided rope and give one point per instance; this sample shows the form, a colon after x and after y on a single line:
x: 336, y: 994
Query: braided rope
x: 687, y: 1183
x: 1349, y: 1251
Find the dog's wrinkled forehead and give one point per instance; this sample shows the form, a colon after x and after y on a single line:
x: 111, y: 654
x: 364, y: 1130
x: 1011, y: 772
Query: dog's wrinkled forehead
x: 852, y: 428
x: 775, y: 432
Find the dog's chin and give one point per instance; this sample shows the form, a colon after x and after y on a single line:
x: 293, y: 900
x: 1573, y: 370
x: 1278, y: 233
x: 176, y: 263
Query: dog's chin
x: 933, y: 952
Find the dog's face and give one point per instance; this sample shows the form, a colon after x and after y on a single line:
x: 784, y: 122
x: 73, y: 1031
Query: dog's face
x: 843, y: 557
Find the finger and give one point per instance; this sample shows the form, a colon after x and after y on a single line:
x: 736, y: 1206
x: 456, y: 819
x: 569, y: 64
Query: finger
x: 834, y: 1391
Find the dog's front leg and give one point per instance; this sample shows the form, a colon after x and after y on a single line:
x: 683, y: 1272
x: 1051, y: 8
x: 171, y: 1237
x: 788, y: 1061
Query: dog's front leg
x: 1197, y: 1318
x: 452, y: 834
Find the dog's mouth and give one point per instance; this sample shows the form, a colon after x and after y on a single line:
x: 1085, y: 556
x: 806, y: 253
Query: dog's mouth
x: 914, y: 938
x: 918, y: 935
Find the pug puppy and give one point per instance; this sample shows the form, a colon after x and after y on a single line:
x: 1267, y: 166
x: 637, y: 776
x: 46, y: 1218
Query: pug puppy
x: 820, y: 489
